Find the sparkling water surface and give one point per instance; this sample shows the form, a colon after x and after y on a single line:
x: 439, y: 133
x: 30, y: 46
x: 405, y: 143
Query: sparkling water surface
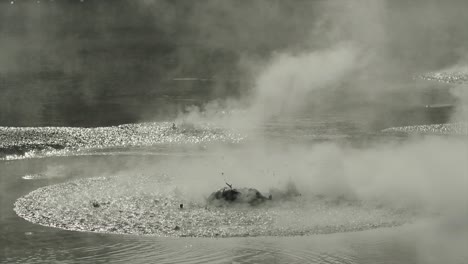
x: 94, y: 162
x: 359, y: 233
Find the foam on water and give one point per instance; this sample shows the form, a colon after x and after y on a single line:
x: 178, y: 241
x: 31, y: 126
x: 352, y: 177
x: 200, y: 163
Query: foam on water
x: 144, y: 205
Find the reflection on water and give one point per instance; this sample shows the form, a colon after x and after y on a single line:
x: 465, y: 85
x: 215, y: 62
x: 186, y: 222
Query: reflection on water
x: 36, y: 142
x: 104, y: 63
x: 24, y: 242
x: 45, y: 245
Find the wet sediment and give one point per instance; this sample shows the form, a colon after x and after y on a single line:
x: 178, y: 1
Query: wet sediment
x: 144, y: 205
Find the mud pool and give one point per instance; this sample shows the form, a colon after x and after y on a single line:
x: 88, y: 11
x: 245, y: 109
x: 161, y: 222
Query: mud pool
x: 119, y: 118
x: 112, y: 205
x: 128, y: 201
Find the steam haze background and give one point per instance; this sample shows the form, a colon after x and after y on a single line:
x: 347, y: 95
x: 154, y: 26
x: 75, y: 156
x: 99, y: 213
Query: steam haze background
x: 97, y: 63
x: 83, y: 63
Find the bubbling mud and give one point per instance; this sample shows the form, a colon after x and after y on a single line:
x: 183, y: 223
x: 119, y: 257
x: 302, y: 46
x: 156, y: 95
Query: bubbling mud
x: 144, y: 205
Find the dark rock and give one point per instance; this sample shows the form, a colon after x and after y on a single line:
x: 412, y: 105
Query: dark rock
x: 237, y: 195
x: 96, y: 204
x: 176, y: 228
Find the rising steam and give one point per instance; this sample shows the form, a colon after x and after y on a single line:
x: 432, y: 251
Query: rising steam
x: 284, y: 85
x: 354, y: 58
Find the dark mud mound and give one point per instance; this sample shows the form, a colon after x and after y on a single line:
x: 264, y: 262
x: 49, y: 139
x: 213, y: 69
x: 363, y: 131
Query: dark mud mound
x: 152, y: 206
x: 226, y: 196
x: 28, y: 142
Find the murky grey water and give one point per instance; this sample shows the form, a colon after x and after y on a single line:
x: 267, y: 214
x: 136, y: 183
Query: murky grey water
x: 423, y: 241
x: 24, y: 242
x: 96, y: 70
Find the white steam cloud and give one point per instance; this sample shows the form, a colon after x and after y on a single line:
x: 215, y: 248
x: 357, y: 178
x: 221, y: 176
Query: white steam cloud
x: 283, y: 86
x: 375, y: 53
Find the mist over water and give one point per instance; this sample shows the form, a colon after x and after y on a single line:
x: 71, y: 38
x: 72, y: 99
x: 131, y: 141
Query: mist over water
x: 371, y: 68
x: 253, y: 67
x: 100, y: 61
